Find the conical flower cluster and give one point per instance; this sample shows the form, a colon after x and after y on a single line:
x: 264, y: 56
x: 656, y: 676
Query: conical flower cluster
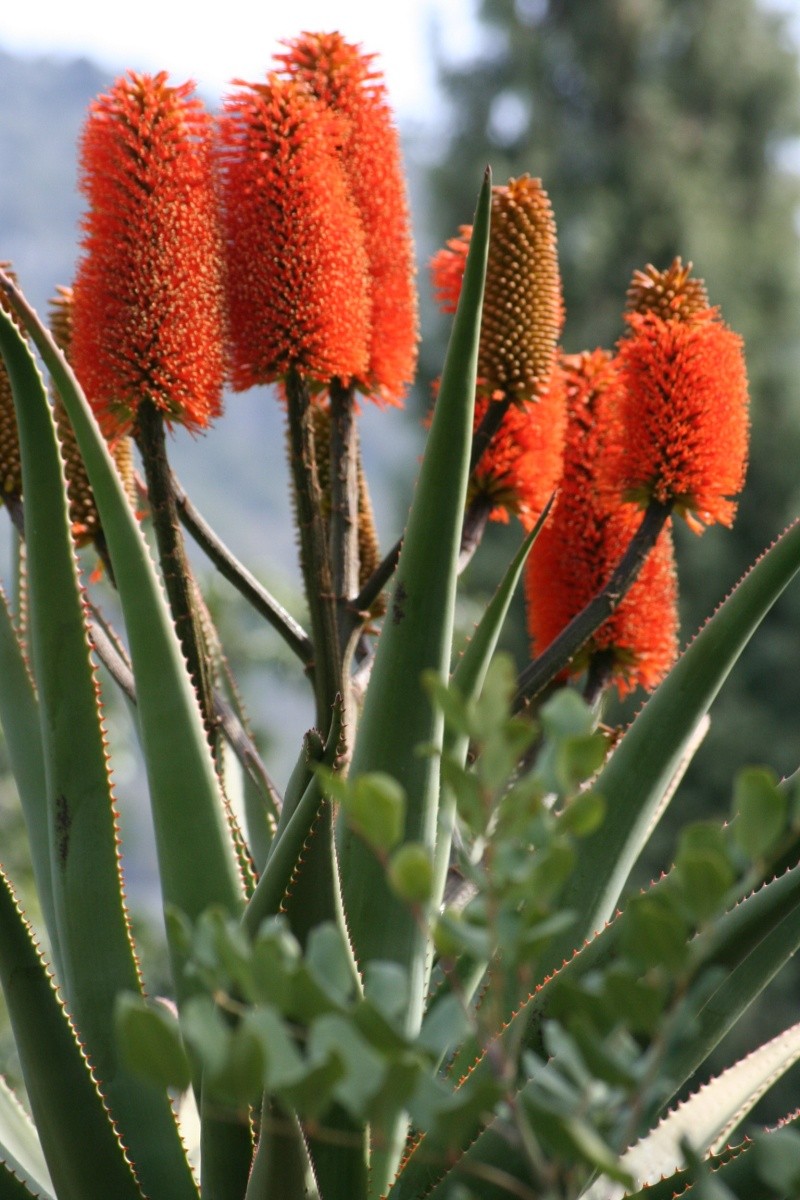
x: 322, y: 277
x: 520, y: 324
x: 583, y: 541
x: 298, y: 288
x: 523, y: 310
x: 681, y: 420
x: 149, y: 317
x: 344, y: 79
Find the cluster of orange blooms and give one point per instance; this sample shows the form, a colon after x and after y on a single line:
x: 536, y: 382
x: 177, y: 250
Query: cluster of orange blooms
x: 663, y: 419
x: 273, y: 239
x: 276, y: 239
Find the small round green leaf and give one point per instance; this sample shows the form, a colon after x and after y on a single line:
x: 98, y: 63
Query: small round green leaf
x: 760, y: 808
x: 150, y: 1041
x: 375, y: 805
x: 411, y: 873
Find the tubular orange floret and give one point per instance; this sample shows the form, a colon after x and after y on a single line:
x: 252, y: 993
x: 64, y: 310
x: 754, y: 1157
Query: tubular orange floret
x: 149, y: 316
x: 523, y: 309
x: 297, y: 282
x: 342, y: 77
x: 671, y: 294
x: 681, y: 417
x: 522, y: 464
x: 447, y: 270
x: 584, y: 539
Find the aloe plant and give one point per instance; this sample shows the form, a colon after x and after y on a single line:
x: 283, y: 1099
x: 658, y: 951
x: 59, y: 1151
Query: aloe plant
x: 339, y: 1025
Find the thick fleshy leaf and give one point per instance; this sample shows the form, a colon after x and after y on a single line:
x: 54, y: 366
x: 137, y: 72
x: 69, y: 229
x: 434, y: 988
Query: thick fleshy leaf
x: 291, y: 834
x: 642, y: 767
x: 20, y: 1148
x: 19, y: 717
x: 416, y: 637
x: 83, y: 1153
x: 196, y: 858
x: 95, y: 950
x: 707, y: 1118
x: 468, y: 678
x: 13, y: 1188
x: 281, y: 1166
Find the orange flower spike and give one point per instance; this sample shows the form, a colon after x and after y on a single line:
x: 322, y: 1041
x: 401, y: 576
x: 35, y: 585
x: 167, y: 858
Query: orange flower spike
x: 584, y: 539
x: 149, y: 316
x: 298, y: 269
x: 342, y: 77
x: 682, y: 418
x: 523, y: 309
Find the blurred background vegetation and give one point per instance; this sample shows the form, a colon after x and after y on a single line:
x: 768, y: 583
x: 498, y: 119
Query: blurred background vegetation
x: 659, y: 127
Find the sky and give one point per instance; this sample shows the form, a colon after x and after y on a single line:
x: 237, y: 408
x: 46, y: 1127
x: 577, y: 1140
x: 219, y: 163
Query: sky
x: 239, y: 37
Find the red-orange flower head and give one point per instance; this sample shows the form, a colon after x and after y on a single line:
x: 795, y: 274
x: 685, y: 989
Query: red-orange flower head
x: 340, y: 75
x: 297, y: 278
x: 522, y: 464
x: 682, y: 416
x: 523, y: 310
x: 149, y: 315
x: 584, y: 539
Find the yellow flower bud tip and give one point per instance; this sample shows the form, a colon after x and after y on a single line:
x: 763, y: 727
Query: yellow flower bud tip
x: 672, y: 293
x: 523, y: 309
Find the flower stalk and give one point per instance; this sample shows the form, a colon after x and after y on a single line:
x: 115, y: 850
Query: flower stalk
x: 558, y: 655
x: 178, y: 579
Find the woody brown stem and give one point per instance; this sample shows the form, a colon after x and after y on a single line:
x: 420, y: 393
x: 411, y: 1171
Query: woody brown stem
x: 245, y: 583
x: 563, y: 649
x: 490, y: 423
x: 314, y: 554
x: 178, y: 580
x: 343, y: 533
x: 475, y: 519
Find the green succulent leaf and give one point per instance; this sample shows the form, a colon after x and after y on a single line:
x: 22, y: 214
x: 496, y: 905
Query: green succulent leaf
x: 196, y: 857
x: 761, y: 809
x: 708, y: 1117
x: 94, y: 947
x: 20, y: 1148
x: 642, y: 768
x: 19, y: 717
x: 82, y: 1151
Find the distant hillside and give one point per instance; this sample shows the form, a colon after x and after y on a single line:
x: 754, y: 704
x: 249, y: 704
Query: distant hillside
x: 42, y: 104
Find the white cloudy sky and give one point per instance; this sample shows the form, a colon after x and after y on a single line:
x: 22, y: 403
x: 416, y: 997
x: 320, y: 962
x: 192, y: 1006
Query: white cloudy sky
x: 237, y: 37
